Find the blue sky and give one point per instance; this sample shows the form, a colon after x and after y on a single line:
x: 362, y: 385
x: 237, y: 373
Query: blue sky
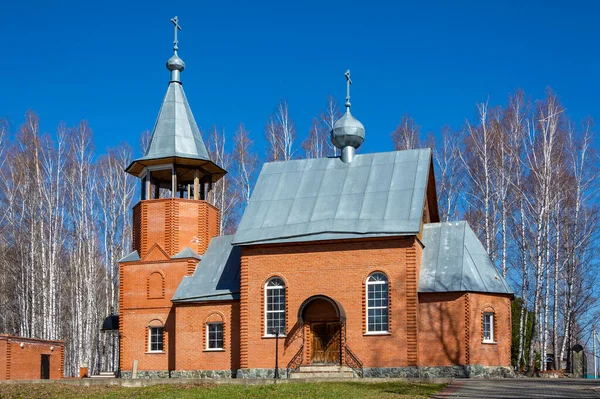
x: 105, y: 61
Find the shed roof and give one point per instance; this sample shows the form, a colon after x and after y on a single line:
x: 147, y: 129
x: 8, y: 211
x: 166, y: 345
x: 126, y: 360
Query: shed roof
x: 217, y: 276
x: 454, y: 260
x: 314, y: 199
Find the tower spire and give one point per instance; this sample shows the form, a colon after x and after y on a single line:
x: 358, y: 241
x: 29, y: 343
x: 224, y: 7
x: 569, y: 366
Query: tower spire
x: 175, y: 64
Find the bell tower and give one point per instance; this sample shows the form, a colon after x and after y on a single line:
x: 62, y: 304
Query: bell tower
x: 172, y: 226
x: 176, y: 175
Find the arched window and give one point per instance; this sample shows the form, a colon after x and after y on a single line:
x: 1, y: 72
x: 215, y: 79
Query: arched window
x: 274, y: 307
x: 155, y: 336
x: 377, y: 303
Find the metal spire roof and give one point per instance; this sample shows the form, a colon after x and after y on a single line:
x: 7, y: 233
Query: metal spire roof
x: 176, y: 132
x: 176, y: 137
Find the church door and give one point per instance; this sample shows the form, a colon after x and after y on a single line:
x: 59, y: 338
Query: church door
x: 325, y: 343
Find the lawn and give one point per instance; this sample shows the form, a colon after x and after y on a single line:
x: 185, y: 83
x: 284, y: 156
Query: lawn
x: 324, y: 390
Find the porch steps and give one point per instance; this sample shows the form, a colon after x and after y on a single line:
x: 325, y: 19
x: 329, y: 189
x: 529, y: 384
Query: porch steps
x: 104, y: 374
x: 323, y: 372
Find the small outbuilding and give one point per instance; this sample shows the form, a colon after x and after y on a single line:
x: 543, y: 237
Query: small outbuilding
x: 30, y: 358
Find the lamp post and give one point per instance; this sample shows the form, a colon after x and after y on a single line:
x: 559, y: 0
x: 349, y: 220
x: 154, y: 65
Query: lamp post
x: 276, y: 332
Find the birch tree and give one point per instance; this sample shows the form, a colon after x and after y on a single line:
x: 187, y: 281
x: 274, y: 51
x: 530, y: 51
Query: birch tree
x: 281, y: 134
x: 450, y: 172
x: 407, y: 135
x: 223, y: 195
x: 245, y: 163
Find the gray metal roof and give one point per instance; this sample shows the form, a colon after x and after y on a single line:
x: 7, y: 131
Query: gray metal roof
x: 132, y: 257
x: 325, y: 198
x: 186, y: 252
x: 217, y: 276
x: 175, y: 133
x: 454, y: 260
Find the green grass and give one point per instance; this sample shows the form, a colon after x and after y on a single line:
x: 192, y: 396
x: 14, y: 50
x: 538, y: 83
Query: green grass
x: 321, y: 390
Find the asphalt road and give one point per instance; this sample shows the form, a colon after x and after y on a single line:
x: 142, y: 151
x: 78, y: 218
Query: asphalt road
x: 521, y: 389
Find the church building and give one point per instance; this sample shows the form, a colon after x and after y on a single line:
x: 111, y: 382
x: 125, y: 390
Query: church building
x: 339, y: 267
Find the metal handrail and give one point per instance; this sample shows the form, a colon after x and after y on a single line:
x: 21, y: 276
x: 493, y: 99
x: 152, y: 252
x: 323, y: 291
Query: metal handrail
x: 353, y: 361
x: 296, y: 361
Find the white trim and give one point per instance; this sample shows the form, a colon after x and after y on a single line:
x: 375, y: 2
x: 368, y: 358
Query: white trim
x: 378, y: 282
x: 491, y: 338
x: 266, y: 312
x: 222, y: 348
x: 150, y: 339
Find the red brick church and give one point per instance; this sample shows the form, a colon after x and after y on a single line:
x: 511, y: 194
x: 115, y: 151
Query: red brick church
x: 341, y: 262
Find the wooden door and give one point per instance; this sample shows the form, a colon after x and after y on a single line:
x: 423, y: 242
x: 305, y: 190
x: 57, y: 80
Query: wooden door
x: 45, y: 368
x: 325, y: 343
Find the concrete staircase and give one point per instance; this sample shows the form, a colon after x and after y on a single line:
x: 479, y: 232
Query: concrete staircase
x: 323, y: 372
x: 104, y: 374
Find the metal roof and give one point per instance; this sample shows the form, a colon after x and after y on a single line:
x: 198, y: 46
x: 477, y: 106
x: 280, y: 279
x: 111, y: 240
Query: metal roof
x: 454, y: 260
x: 313, y: 199
x: 175, y: 133
x: 186, y: 252
x: 132, y: 257
x: 217, y: 276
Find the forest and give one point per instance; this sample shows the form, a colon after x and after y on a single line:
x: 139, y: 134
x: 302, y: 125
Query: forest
x: 523, y: 174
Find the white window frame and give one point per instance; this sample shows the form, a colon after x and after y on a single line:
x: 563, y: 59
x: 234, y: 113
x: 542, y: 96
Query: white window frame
x: 267, y: 287
x: 150, y: 339
x: 387, y: 307
x: 216, y: 323
x: 491, y: 326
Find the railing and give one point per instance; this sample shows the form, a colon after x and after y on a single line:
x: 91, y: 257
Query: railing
x: 353, y: 361
x: 296, y: 361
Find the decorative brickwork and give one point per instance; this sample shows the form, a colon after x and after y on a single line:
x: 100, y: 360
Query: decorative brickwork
x: 173, y: 224
x: 411, y: 305
x: 244, y: 304
x: 155, y: 285
x: 467, y: 330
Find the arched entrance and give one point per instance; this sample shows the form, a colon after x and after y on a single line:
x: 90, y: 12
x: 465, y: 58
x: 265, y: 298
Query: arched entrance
x: 324, y: 318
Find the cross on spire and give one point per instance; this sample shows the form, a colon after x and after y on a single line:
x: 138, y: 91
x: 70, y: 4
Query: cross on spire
x: 176, y: 27
x: 348, y: 83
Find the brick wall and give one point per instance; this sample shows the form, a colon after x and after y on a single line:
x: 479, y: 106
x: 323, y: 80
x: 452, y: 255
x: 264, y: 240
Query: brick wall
x: 312, y: 269
x: 490, y: 354
x: 162, y: 228
x: 24, y: 363
x: 191, y: 336
x: 173, y: 224
x: 451, y: 329
x: 145, y: 300
x: 3, y: 347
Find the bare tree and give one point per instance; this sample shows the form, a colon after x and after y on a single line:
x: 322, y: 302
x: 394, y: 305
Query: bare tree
x: 407, y: 134
x: 328, y: 118
x: 245, y: 162
x: 316, y: 144
x: 280, y: 133
x: 223, y: 194
x: 450, y: 172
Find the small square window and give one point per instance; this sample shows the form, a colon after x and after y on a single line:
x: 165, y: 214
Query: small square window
x: 155, y: 343
x: 214, y: 336
x: 488, y: 327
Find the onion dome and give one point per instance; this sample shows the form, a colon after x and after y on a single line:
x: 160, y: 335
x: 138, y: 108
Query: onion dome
x: 347, y: 133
